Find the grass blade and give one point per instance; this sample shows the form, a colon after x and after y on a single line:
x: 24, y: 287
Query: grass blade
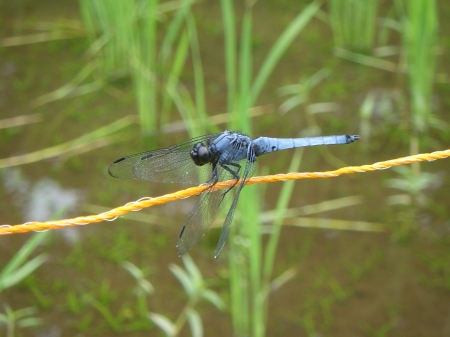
x: 280, y: 47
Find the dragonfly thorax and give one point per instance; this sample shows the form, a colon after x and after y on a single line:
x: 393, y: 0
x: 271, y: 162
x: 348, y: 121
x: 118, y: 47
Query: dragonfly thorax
x: 201, y: 154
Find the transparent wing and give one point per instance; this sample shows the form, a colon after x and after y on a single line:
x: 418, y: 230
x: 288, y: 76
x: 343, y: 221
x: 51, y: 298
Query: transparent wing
x: 249, y: 170
x: 172, y: 164
x: 208, y: 207
x: 204, y: 213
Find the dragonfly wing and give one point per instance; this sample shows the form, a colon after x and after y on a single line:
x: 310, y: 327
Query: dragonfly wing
x: 204, y: 213
x: 248, y: 171
x: 172, y: 164
x: 198, y: 222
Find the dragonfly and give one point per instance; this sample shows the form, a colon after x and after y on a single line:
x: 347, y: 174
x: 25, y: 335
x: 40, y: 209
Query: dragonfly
x: 208, y: 160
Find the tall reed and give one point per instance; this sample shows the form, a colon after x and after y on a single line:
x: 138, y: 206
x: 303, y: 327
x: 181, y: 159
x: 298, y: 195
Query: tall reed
x: 419, y: 25
x: 419, y: 33
x: 251, y: 269
x: 353, y: 23
x: 125, y: 35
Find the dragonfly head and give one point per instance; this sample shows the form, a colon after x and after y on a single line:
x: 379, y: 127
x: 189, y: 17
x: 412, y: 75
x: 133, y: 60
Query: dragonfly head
x: 201, y: 154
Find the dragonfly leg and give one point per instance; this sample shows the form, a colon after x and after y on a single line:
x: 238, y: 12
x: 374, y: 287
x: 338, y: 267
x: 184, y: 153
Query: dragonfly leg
x: 234, y: 173
x: 235, y: 176
x: 214, y: 177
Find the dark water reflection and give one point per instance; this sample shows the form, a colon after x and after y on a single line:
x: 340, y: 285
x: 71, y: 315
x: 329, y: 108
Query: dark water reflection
x: 346, y: 283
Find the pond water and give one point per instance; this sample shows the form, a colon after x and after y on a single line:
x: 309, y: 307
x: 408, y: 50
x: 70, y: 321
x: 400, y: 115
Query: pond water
x: 344, y: 282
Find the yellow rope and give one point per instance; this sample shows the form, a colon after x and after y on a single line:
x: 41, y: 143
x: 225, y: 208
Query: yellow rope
x: 148, y: 202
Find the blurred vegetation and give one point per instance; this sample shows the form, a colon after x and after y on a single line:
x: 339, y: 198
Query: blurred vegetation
x: 160, y: 59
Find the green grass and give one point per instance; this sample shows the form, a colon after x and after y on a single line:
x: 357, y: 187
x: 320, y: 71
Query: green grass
x: 250, y: 267
x: 419, y: 24
x: 126, y: 36
x: 353, y: 24
x: 19, y: 267
x: 196, y: 289
x: 13, y: 273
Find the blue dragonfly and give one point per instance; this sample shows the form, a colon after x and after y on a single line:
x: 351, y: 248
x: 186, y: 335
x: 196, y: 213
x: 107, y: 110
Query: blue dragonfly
x: 210, y: 159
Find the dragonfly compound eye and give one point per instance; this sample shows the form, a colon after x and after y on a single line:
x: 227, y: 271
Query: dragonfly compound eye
x: 201, y: 154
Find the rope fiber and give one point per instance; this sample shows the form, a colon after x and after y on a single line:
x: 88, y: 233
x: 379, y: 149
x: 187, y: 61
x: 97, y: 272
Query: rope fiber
x: 182, y: 194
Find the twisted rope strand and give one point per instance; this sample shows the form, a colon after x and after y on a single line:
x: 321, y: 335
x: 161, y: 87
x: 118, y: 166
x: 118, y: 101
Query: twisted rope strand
x: 148, y: 201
